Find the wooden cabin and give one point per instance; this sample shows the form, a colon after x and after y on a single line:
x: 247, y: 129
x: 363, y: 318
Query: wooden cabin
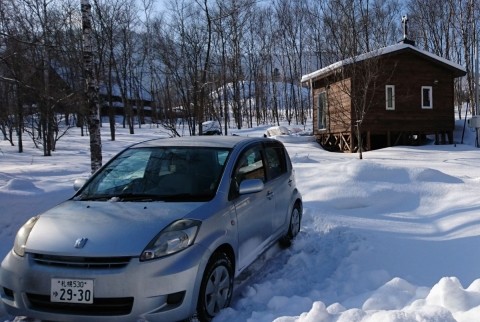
x: 396, y: 95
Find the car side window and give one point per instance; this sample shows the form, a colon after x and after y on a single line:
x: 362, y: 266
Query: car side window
x: 276, y: 163
x: 250, y: 165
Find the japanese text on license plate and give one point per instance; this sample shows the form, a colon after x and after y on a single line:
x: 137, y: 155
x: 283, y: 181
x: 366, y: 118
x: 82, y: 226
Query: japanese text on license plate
x: 71, y: 290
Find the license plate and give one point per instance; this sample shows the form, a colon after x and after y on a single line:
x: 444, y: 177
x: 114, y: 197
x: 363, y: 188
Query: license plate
x: 71, y: 290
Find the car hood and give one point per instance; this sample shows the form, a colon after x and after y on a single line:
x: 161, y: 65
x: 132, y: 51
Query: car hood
x: 111, y: 228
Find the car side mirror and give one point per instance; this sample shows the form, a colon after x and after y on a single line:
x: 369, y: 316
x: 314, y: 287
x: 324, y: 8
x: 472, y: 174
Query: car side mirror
x: 78, y: 183
x: 250, y: 186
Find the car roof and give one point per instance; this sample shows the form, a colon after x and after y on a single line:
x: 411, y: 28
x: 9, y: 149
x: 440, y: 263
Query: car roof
x: 202, y: 140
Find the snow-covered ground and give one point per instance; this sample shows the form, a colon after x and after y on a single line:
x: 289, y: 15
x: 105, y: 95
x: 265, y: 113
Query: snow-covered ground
x: 394, y: 237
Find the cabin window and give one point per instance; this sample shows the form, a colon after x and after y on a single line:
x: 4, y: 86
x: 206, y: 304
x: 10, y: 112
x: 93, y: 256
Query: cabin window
x: 322, y: 110
x: 427, y: 97
x: 390, y: 97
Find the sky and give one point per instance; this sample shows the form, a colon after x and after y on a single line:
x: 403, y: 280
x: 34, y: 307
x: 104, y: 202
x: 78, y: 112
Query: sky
x: 390, y: 238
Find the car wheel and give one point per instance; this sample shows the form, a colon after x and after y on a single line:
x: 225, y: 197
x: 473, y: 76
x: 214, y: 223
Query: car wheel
x: 216, y: 288
x: 294, y: 228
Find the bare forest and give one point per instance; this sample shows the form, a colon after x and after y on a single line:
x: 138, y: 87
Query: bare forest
x: 238, y: 62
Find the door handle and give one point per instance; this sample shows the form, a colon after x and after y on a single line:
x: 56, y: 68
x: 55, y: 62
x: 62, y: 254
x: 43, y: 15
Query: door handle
x: 290, y: 182
x: 270, y: 195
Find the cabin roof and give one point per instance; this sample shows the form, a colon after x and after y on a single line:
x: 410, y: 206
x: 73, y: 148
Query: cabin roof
x: 458, y: 69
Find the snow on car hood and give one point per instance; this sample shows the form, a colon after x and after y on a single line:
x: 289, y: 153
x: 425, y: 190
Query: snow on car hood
x: 112, y: 228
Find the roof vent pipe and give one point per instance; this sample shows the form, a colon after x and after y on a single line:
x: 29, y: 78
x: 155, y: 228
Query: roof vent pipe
x: 405, y: 39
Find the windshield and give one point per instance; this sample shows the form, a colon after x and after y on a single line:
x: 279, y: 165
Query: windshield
x: 163, y: 174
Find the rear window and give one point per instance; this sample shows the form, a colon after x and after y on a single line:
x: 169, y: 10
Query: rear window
x: 276, y: 161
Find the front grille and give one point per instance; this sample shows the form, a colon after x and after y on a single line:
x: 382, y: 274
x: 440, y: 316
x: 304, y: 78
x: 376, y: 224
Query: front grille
x: 81, y: 262
x: 100, y: 306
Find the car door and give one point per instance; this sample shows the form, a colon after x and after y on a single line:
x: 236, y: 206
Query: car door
x: 253, y: 210
x: 280, y: 184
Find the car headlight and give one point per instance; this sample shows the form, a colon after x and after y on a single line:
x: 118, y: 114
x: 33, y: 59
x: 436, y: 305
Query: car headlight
x: 176, y: 237
x: 22, y: 236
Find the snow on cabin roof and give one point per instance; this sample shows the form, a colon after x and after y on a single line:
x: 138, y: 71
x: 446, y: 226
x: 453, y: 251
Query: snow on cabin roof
x: 376, y: 53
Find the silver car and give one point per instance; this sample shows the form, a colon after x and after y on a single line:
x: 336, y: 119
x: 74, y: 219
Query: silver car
x: 157, y: 234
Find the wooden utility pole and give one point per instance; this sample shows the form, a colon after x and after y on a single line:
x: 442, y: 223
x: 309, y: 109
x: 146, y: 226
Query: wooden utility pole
x: 91, y: 89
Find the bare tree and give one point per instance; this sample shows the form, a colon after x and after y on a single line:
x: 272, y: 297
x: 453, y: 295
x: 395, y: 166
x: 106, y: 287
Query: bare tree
x: 34, y: 36
x: 449, y: 31
x: 292, y: 21
x: 431, y: 25
x: 91, y: 89
x: 235, y: 61
x: 105, y: 32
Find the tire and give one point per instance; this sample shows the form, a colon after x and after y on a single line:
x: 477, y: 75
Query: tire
x: 294, y: 227
x: 216, y: 288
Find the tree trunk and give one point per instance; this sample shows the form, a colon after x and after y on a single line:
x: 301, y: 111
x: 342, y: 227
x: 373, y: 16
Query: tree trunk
x: 91, y: 89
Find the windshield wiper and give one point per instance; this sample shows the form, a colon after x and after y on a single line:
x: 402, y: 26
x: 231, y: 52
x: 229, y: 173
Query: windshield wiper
x: 119, y: 197
x: 136, y: 197
x: 93, y: 198
x: 186, y: 197
x: 127, y: 197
